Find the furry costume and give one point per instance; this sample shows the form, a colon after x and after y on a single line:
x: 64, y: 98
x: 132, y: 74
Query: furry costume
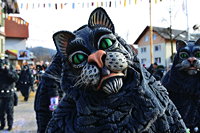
x: 49, y: 86
x: 107, y: 90
x: 183, y: 83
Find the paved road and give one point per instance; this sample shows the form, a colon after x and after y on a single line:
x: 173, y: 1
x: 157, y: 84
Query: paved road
x: 24, y: 116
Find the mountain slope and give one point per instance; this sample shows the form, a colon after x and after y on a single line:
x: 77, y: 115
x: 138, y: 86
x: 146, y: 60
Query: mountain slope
x: 42, y: 54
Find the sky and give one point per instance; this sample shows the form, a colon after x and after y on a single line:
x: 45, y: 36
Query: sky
x: 129, y: 20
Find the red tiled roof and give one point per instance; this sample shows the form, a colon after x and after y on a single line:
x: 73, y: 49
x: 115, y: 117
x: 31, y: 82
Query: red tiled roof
x: 16, y: 27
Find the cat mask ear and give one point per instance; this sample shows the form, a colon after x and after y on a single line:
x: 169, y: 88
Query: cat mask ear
x: 197, y: 42
x: 61, y: 40
x: 100, y: 17
x: 180, y: 44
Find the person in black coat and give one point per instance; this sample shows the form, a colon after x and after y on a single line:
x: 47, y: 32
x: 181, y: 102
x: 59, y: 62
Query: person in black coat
x: 8, y: 78
x: 25, y: 82
x: 156, y: 70
x: 48, y: 92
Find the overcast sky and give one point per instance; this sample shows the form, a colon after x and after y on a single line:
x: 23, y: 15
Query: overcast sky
x: 129, y: 21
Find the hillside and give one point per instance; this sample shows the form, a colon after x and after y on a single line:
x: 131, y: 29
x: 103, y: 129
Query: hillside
x: 42, y: 54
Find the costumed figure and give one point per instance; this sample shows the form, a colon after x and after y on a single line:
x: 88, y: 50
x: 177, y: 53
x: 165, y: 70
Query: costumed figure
x: 48, y: 93
x: 183, y: 83
x: 8, y: 97
x: 25, y: 82
x: 107, y: 90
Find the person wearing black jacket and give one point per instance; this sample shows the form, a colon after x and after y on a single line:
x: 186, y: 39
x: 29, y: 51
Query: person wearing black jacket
x: 48, y: 93
x: 25, y: 82
x: 8, y: 78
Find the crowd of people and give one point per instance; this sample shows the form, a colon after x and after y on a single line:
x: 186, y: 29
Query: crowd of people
x: 156, y: 70
x: 12, y: 79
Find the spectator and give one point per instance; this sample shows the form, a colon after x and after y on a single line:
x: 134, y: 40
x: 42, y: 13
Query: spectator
x: 156, y: 70
x: 152, y: 68
x: 25, y: 82
x: 8, y: 97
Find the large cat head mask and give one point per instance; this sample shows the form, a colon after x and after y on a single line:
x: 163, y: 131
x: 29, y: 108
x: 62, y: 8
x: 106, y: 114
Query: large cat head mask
x: 188, y: 56
x: 94, y: 54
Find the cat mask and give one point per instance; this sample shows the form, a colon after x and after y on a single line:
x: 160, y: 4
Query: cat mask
x: 188, y: 56
x: 93, y: 57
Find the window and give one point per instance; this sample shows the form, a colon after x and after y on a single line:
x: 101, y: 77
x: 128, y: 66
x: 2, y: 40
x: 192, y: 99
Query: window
x: 143, y: 60
x: 157, y: 48
x: 1, y: 45
x: 158, y: 59
x: 146, y: 38
x: 143, y: 50
x: 154, y: 36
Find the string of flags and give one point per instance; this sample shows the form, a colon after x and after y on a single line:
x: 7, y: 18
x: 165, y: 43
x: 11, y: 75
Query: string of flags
x: 84, y: 4
x: 17, y: 20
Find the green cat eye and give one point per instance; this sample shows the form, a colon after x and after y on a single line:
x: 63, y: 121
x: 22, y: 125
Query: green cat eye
x: 197, y: 55
x: 78, y: 58
x: 105, y: 43
x: 184, y: 55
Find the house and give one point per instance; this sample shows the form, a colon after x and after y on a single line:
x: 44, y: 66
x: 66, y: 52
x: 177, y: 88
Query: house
x: 16, y: 33
x: 162, y: 47
x: 6, y: 7
x: 2, y: 37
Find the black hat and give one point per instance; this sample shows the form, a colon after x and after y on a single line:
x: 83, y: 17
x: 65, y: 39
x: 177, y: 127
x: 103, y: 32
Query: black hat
x: 155, y: 63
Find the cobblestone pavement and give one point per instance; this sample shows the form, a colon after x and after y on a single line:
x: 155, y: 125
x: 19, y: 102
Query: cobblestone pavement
x: 24, y: 116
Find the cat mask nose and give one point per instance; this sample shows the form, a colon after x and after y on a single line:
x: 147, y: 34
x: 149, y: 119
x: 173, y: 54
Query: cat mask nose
x: 97, y: 58
x: 192, y: 60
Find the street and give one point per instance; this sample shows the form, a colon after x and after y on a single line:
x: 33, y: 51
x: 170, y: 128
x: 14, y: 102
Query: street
x: 24, y: 116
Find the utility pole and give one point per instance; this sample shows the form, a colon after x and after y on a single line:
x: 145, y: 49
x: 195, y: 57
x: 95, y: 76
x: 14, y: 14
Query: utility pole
x: 186, y: 12
x: 170, y: 32
x: 151, y: 35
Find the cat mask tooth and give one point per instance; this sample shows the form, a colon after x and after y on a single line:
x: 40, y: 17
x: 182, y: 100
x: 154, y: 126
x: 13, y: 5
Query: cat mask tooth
x: 107, y: 77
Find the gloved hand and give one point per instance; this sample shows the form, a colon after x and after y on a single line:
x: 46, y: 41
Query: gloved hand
x: 54, y: 103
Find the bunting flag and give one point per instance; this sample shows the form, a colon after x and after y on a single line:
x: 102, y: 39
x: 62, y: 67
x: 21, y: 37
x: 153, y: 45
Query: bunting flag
x: 110, y: 4
x: 56, y: 7
x: 83, y: 5
x: 101, y: 3
x: 21, y: 5
x: 97, y: 4
x: 74, y: 4
x: 135, y: 1
x: 26, y: 6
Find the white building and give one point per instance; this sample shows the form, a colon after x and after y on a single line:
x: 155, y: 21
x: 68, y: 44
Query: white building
x: 162, y: 45
x: 16, y: 35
